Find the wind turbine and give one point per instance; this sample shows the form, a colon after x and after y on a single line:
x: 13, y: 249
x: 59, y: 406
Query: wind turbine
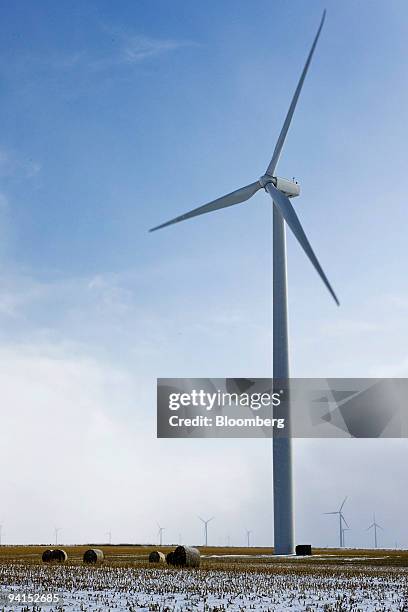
x: 206, y: 527
x: 376, y: 526
x: 160, y: 532
x: 280, y: 190
x: 248, y: 534
x: 56, y: 532
x: 109, y: 534
x: 341, y: 521
x: 1, y: 533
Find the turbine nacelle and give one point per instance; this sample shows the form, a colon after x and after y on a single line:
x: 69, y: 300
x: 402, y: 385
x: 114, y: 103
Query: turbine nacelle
x: 291, y: 189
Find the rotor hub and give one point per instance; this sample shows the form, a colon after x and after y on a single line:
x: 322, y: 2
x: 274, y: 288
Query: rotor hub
x: 267, y: 178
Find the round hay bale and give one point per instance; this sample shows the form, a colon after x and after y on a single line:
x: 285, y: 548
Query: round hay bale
x: 170, y: 558
x: 47, y: 555
x: 157, y: 557
x: 93, y: 555
x: 59, y: 555
x: 186, y: 556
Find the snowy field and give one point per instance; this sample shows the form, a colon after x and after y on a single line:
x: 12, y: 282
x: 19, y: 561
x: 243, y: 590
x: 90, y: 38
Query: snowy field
x: 81, y: 588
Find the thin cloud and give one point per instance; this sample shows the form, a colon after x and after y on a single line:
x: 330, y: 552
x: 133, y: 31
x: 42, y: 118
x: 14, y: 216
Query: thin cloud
x: 133, y: 49
x: 138, y: 48
x: 127, y: 49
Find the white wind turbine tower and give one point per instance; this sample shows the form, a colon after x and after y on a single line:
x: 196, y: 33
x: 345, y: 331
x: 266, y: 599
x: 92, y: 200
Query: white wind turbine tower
x: 109, y: 534
x: 341, y: 521
x: 374, y: 525
x: 160, y: 533
x: 206, y: 528
x: 56, y: 532
x: 344, y: 538
x: 248, y: 535
x: 280, y: 190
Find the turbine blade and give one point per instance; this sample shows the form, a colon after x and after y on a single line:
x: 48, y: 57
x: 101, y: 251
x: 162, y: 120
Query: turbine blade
x: 344, y: 501
x: 330, y: 512
x: 370, y: 527
x: 287, y: 211
x: 236, y: 197
x: 278, y: 147
x: 344, y: 520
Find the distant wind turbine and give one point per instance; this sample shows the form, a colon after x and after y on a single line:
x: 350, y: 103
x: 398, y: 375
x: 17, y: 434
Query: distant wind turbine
x: 374, y: 525
x: 1, y: 532
x: 160, y: 533
x: 341, y: 521
x: 248, y: 535
x: 280, y: 190
x: 56, y: 532
x: 206, y: 527
x: 109, y: 534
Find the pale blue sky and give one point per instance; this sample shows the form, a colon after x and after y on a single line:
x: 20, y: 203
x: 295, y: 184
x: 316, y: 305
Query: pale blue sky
x: 118, y: 116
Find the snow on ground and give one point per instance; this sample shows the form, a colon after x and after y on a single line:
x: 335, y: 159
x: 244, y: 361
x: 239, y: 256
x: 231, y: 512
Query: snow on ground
x: 82, y: 588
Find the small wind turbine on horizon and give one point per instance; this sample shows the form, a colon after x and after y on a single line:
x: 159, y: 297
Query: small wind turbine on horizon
x: 206, y: 527
x: 376, y: 526
x: 56, y: 532
x: 160, y: 533
x: 248, y: 535
x: 280, y: 191
x: 341, y: 521
x: 109, y: 534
